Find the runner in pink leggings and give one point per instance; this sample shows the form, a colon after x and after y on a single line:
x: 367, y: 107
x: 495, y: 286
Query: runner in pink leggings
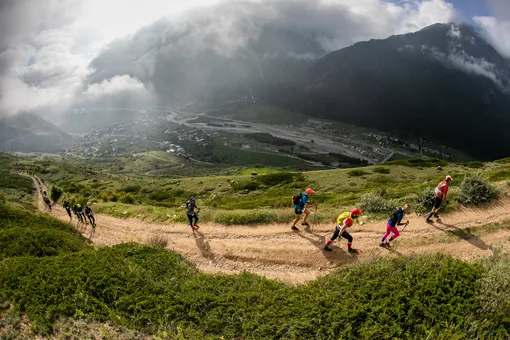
x: 391, y: 226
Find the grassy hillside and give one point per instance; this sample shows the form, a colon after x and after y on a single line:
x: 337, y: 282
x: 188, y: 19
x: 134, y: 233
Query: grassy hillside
x: 53, y: 282
x: 244, y: 199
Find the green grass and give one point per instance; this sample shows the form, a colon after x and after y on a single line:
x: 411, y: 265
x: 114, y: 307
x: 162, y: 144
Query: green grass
x: 152, y: 290
x: 259, y: 171
x: 400, y: 182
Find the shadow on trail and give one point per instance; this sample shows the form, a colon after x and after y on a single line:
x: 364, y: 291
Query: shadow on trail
x: 338, y: 255
x: 203, y: 245
x: 463, y: 235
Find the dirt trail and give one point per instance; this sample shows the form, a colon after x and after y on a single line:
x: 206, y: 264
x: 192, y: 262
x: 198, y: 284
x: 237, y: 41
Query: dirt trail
x: 276, y: 252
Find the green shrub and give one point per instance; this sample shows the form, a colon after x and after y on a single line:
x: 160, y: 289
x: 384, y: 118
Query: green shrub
x: 423, y: 201
x: 494, y: 296
x: 475, y: 165
x: 356, y: 173
x: 131, y: 188
x: 127, y: 198
x: 244, y: 218
x: 381, y: 170
x: 153, y: 290
x: 114, y: 197
x: 373, y: 203
x: 55, y: 194
x: 499, y: 175
x: 22, y: 233
x: 277, y: 178
x: 250, y: 185
x: 418, y: 162
x: 160, y: 196
x: 476, y: 190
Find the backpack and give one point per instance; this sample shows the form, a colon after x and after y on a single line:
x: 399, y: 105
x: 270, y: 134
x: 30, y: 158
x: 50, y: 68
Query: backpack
x: 296, y: 199
x: 394, y: 216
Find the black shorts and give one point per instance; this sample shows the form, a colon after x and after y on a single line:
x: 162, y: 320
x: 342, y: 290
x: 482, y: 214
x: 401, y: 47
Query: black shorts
x: 437, y: 202
x: 299, y: 211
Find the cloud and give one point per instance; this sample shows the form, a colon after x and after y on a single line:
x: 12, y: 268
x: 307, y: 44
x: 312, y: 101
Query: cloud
x: 497, y: 33
x: 58, y: 53
x: 192, y: 50
x: 496, y: 28
x: 116, y: 85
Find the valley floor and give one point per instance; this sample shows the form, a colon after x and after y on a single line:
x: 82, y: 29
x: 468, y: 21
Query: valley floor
x: 275, y: 251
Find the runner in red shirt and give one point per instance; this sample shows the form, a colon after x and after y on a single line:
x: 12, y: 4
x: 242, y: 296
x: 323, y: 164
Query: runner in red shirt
x: 439, y: 195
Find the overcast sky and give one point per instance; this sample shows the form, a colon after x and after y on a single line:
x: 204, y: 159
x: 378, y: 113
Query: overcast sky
x: 49, y: 48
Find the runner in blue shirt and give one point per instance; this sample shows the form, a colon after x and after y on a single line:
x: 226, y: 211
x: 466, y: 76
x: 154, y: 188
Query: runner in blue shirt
x: 301, y: 205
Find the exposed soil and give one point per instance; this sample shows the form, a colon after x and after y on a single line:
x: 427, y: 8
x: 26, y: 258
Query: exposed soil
x: 275, y: 251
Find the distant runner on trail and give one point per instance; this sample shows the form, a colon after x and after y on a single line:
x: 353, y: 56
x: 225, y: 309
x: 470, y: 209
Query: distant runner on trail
x: 80, y: 214
x: 67, y: 207
x: 76, y: 212
x: 391, y: 226
x: 90, y: 214
x: 301, y: 205
x: 47, y: 202
x: 439, y: 196
x: 343, y: 222
x: 191, y: 205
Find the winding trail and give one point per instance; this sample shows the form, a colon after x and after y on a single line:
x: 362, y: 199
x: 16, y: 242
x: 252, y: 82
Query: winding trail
x: 276, y: 252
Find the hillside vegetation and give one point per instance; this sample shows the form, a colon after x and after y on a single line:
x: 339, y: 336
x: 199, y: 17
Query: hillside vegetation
x: 154, y: 291
x: 53, y: 281
x: 265, y: 197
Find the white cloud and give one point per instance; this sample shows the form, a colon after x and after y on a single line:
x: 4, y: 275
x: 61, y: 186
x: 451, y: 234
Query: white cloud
x: 117, y: 84
x: 455, y: 32
x: 497, y: 32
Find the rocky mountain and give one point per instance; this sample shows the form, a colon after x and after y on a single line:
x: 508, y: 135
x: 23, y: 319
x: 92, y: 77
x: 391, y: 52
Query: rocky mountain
x: 29, y: 133
x: 444, y: 82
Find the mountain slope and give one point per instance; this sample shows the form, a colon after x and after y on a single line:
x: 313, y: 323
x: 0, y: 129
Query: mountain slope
x: 29, y: 133
x: 443, y: 82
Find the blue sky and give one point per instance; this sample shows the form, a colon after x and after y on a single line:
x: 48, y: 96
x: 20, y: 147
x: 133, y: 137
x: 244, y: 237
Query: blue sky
x: 471, y: 8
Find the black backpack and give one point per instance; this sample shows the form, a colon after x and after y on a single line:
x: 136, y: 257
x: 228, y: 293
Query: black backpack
x: 296, y: 199
x: 394, y: 216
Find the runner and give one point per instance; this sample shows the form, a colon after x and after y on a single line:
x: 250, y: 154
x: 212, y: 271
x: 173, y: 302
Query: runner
x: 191, y: 205
x: 301, y: 205
x: 77, y: 213
x: 67, y: 207
x: 439, y: 196
x: 391, y: 226
x: 90, y: 214
x: 343, y: 222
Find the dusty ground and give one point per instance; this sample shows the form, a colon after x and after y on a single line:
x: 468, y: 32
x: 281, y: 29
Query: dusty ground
x: 277, y: 252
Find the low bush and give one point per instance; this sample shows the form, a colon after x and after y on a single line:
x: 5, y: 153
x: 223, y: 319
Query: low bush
x: 131, y: 188
x: 277, y: 178
x: 55, y: 193
x: 423, y: 201
x: 373, y: 203
x: 475, y: 165
x: 158, y: 241
x: 152, y: 290
x: 418, y: 162
x: 494, y: 296
x: 244, y: 217
x: 499, y: 175
x: 356, y: 173
x: 381, y: 170
x: 127, y: 198
x: 25, y: 234
x: 476, y: 190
